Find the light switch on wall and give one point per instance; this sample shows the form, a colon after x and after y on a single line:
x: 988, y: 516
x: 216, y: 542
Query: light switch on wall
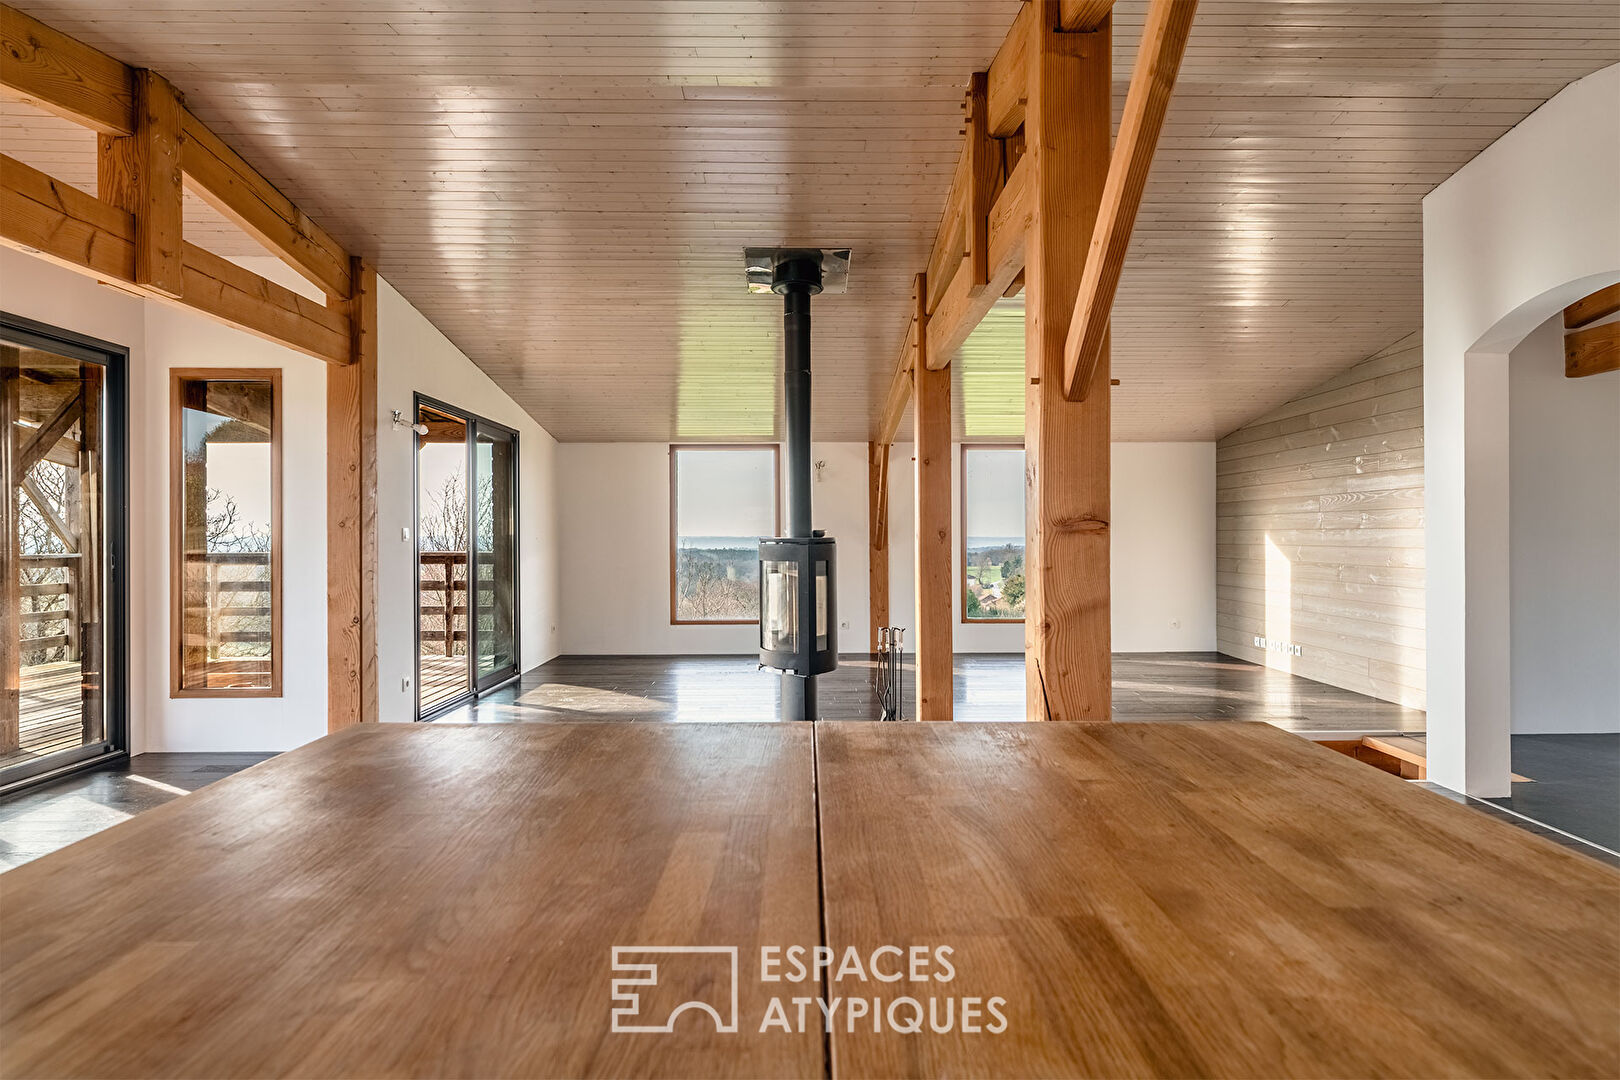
x: 405, y: 534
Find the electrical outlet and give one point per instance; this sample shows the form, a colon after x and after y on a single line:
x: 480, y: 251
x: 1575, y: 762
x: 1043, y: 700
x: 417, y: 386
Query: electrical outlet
x: 1279, y: 646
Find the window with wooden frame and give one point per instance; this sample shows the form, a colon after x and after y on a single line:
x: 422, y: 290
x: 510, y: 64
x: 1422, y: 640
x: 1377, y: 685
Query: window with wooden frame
x: 992, y: 533
x: 225, y: 532
x: 722, y: 499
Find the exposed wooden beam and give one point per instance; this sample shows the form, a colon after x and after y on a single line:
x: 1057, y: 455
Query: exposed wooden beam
x: 74, y: 229
x: 1007, y: 84
x: 983, y: 174
x: 47, y: 512
x: 48, y: 434
x: 1590, y: 309
x: 53, y: 71
x: 351, y: 517
x: 894, y: 403
x: 1592, y: 351
x: 220, y: 288
x: 1085, y: 15
x: 64, y: 224
x: 237, y: 190
x: 959, y: 309
x: 877, y: 530
x: 48, y: 68
x: 931, y: 392
x: 950, y: 240
x: 1158, y: 59
x: 1066, y: 444
x: 141, y: 173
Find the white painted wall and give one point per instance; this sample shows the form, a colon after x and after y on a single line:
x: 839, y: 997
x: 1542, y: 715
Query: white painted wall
x: 1163, y: 548
x: 1528, y: 226
x: 414, y: 357
x: 614, y: 500
x: 1564, y: 440
x: 159, y: 338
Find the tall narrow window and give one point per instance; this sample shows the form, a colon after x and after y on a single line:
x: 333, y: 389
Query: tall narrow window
x: 722, y: 500
x: 226, y: 529
x: 992, y: 533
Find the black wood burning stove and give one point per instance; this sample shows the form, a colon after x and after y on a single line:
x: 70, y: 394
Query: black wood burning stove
x: 798, y: 627
x: 798, y: 605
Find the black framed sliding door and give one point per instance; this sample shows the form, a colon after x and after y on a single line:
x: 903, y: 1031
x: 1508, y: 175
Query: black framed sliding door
x: 494, y: 555
x: 63, y: 541
x: 467, y: 557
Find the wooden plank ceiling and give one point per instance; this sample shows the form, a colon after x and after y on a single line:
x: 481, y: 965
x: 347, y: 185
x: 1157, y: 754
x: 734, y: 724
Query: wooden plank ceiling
x: 566, y: 192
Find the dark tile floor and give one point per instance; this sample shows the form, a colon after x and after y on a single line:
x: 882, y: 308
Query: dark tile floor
x: 1576, y: 784
x: 1147, y: 686
x: 1562, y: 837
x: 37, y: 821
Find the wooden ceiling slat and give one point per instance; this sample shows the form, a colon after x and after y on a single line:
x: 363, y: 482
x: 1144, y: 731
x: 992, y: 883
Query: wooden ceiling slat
x: 519, y: 167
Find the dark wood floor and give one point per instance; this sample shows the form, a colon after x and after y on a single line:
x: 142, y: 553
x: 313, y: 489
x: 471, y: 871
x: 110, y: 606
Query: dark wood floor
x: 1147, y: 686
x: 40, y: 820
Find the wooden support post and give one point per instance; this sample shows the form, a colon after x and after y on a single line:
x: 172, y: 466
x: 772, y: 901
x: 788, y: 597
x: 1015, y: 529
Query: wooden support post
x: 351, y: 515
x: 11, y: 565
x: 140, y: 173
x: 877, y: 530
x: 983, y: 174
x: 1066, y: 443
x: 931, y: 393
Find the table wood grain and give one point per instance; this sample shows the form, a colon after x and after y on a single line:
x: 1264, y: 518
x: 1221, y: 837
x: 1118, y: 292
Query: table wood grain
x: 414, y: 900
x: 1205, y: 900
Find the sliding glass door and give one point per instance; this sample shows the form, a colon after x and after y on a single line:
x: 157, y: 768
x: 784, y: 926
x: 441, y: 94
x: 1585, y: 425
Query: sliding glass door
x: 62, y: 526
x: 466, y: 528
x: 494, y: 555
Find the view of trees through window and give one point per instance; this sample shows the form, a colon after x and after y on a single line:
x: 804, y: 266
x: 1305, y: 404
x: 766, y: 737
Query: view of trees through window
x: 725, y: 500
x: 226, y: 514
x: 993, y: 532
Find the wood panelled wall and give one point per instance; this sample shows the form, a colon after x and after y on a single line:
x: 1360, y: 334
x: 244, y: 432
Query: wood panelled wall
x: 1319, y: 540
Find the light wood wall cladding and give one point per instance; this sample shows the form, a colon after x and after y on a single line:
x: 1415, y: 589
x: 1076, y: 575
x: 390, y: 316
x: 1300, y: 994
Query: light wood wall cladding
x: 1334, y: 479
x: 566, y: 192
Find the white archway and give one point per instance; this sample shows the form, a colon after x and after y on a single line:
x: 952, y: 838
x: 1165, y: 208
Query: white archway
x: 1529, y: 226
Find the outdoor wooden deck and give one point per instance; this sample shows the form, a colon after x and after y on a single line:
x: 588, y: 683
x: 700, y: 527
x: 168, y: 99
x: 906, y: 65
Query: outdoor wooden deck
x: 443, y: 677
x: 52, y: 717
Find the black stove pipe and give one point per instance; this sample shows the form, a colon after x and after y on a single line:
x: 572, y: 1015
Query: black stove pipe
x: 797, y: 280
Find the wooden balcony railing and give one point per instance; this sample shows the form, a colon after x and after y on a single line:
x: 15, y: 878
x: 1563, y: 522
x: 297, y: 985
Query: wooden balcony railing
x: 226, y: 611
x: 50, y: 613
x: 442, y: 595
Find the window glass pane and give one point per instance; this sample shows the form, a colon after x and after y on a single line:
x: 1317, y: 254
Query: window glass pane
x: 52, y: 548
x: 441, y: 534
x: 993, y: 528
x: 226, y: 519
x: 725, y: 500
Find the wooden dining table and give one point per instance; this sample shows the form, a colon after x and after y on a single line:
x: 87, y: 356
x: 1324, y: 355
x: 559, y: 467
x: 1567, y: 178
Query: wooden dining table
x: 752, y: 900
